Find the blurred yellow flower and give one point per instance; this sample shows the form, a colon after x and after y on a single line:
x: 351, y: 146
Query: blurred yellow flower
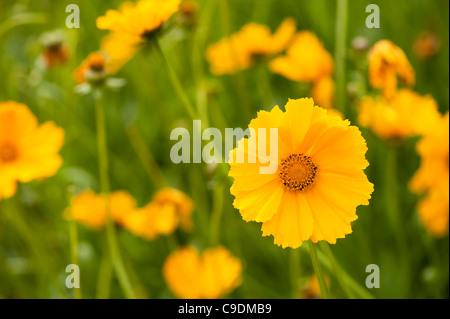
x: 28, y: 151
x: 320, y: 178
x: 91, y: 209
x: 405, y: 115
x: 168, y: 210
x: 213, y: 274
x: 432, y: 177
x: 426, y: 45
x: 132, y: 25
x: 306, y: 59
x: 140, y: 20
x: 323, y: 92
x: 386, y: 62
x: 311, y: 289
x: 93, y: 68
x: 244, y: 48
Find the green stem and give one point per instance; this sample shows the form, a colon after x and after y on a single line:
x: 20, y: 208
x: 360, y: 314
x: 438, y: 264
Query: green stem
x: 73, y: 236
x: 337, y: 271
x: 340, y: 54
x: 294, y: 267
x: 392, y: 197
x: 216, y: 215
x: 105, y: 190
x: 265, y: 89
x: 145, y: 156
x: 104, y: 276
x: 318, y: 270
x: 350, y: 282
x: 175, y: 82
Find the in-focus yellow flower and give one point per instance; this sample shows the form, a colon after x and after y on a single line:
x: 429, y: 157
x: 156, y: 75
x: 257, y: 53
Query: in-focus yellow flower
x: 319, y: 181
x: 405, y: 115
x: 28, y: 151
x: 213, y: 274
x: 168, y: 210
x: 91, y: 209
x: 306, y: 59
x: 386, y: 62
x: 432, y: 178
x: 323, y: 92
x: 254, y: 42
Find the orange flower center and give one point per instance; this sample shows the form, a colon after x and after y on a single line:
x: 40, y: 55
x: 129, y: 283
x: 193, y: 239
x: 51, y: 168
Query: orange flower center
x: 297, y: 172
x: 8, y: 153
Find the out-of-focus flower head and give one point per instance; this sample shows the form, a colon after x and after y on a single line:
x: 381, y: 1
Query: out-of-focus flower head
x: 212, y: 274
x: 306, y: 60
x: 133, y: 25
x: 323, y: 92
x: 387, y: 62
x: 188, y: 13
x: 405, y: 115
x: 55, y: 51
x: 91, y: 209
x: 253, y: 43
x: 432, y: 178
x: 28, y: 151
x: 426, y: 45
x: 169, y: 209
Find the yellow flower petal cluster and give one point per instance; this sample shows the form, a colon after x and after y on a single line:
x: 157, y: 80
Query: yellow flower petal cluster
x: 306, y: 59
x: 169, y: 209
x: 320, y: 180
x: 432, y: 178
x: 28, y: 151
x: 405, y: 115
x: 210, y: 275
x: 132, y: 25
x: 387, y: 62
x: 244, y: 48
x: 91, y: 209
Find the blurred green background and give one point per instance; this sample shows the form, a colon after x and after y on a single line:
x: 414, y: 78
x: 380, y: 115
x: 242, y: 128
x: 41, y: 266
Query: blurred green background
x: 36, y: 269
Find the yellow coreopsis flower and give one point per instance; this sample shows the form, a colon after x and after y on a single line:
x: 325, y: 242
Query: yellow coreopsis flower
x: 28, y: 151
x: 93, y: 68
x: 91, y: 209
x: 323, y: 92
x: 433, y: 178
x: 168, y: 210
x: 306, y: 59
x: 244, y: 48
x: 132, y: 25
x: 386, y: 62
x: 212, y: 274
x: 319, y: 181
x: 405, y: 115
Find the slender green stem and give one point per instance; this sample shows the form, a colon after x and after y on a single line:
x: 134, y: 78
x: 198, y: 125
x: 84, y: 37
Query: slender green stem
x: 294, y: 269
x: 73, y: 236
x: 392, y: 197
x: 216, y: 215
x: 340, y: 54
x: 337, y: 271
x: 350, y: 282
x: 265, y: 89
x: 146, y: 157
x: 175, y: 81
x: 104, y: 274
x: 318, y: 270
x: 105, y: 190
